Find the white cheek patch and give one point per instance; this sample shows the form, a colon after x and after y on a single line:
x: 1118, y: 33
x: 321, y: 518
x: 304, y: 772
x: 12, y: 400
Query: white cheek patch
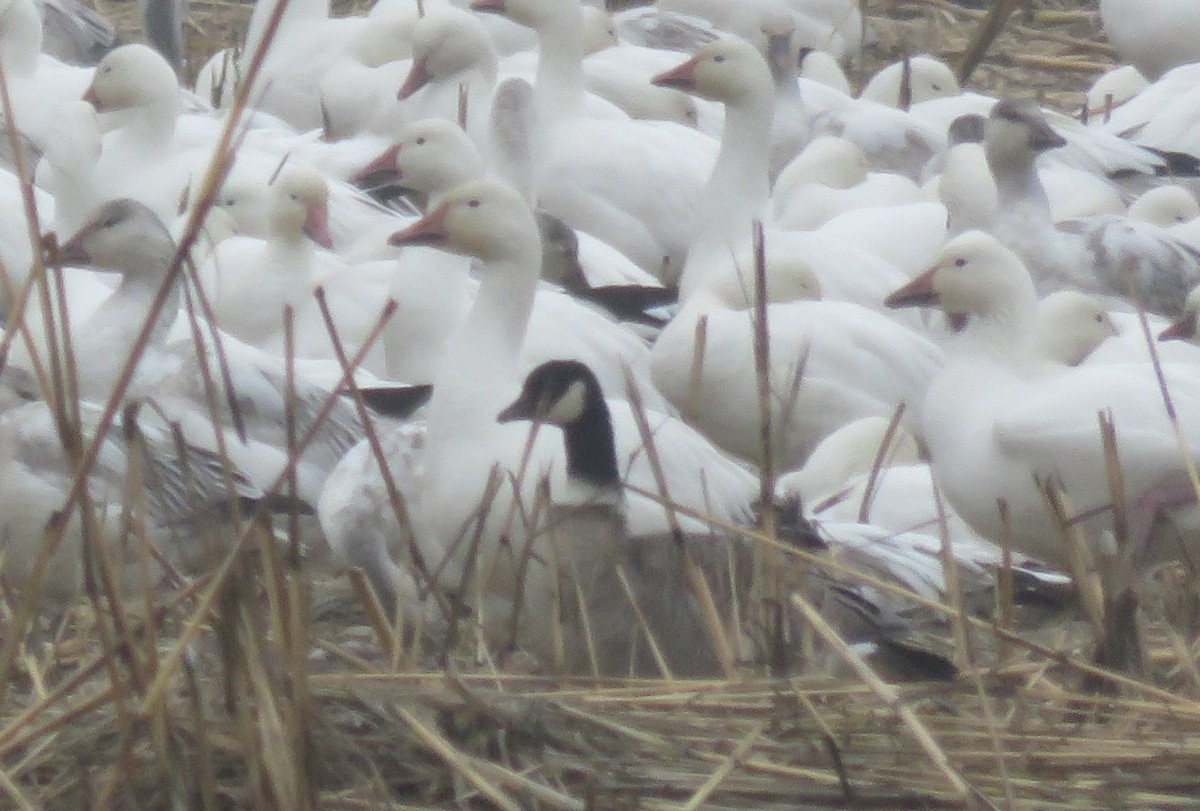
x: 569, y: 407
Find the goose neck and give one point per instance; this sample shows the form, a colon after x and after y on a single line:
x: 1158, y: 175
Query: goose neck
x: 591, y: 451
x: 1017, y: 181
x: 737, y: 191
x: 1006, y: 335
x: 481, y: 356
x: 742, y: 165
x: 148, y: 128
x: 559, y: 86
x: 20, y: 39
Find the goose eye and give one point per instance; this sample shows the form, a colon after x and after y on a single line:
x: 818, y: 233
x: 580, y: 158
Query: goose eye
x: 474, y: 203
x: 1099, y: 318
x: 719, y: 58
x: 421, y: 141
x: 937, y: 87
x: 960, y: 262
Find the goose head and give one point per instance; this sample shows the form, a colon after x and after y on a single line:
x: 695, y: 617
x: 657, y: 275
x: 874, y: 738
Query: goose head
x: 728, y: 70
x: 1072, y: 324
x: 566, y: 393
x: 245, y: 200
x: 1114, y: 89
x: 1165, y: 206
x: 132, y: 77
x: 430, y: 156
x: 559, y: 392
x: 972, y: 275
x: 481, y: 218
x: 1187, y: 326
x: 300, y: 205
x: 782, y: 48
x: 124, y: 236
x: 446, y: 42
x: 790, y: 279
x: 1017, y: 132
x: 928, y: 78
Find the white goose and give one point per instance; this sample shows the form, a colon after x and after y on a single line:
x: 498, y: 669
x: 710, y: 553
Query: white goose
x: 463, y: 443
x: 630, y: 183
x: 189, y: 503
x: 125, y: 237
x: 1154, y: 38
x: 37, y: 83
x: 433, y: 293
x: 137, y: 96
x: 250, y: 281
x: 998, y: 415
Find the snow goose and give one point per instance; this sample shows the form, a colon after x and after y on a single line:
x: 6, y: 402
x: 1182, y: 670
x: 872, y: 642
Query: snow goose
x: 451, y: 50
x: 1071, y: 325
x: 249, y: 281
x: 1109, y: 254
x: 630, y: 183
x: 830, y: 177
x: 965, y: 185
x: 1015, y: 135
x: 1091, y: 150
x: 928, y: 78
x: 37, y: 83
x: 137, y: 96
x: 124, y: 236
x: 1154, y: 38
x: 790, y: 123
x: 189, y: 502
x: 1165, y: 206
x: 433, y: 156
x: 1139, y: 260
x: 583, y: 540
x: 463, y: 444
x: 733, y: 72
x: 432, y: 290
x: 307, y: 42
x: 68, y: 170
x: 998, y: 418
x: 1110, y: 91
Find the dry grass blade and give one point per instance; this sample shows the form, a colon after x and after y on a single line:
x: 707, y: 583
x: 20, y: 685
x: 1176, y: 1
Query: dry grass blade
x: 888, y: 694
x: 740, y: 751
x: 696, y: 580
x: 461, y: 764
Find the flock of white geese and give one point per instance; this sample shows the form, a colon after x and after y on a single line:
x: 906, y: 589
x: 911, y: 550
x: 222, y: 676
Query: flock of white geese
x: 548, y: 213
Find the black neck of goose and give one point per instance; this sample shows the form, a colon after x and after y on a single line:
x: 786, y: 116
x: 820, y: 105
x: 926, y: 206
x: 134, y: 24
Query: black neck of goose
x: 591, y: 452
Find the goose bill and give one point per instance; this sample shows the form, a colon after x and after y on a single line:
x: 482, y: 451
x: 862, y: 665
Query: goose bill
x: 917, y: 293
x: 316, y: 225
x: 418, y: 77
x: 429, y: 230
x: 682, y: 77
x: 383, y: 166
x: 1181, y: 330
